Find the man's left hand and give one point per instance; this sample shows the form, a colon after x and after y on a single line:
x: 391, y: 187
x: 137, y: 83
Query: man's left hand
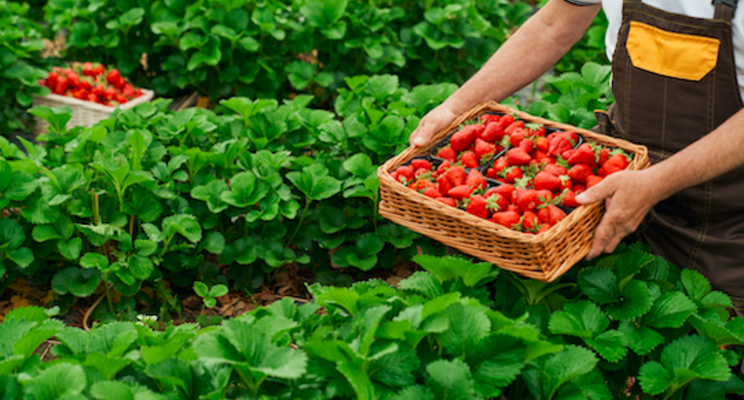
x: 628, y: 196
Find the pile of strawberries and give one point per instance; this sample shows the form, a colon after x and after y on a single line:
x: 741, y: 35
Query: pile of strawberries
x: 528, y: 188
x: 91, y: 82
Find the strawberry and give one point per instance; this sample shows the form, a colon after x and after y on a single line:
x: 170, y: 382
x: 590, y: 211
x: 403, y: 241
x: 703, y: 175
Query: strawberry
x: 535, y: 129
x: 543, y: 228
x: 511, y: 174
x: 543, y: 215
x: 517, y: 136
x: 456, y: 175
x: 524, y: 181
x: 478, y: 206
x: 469, y: 159
x: 493, y: 133
x: 489, y: 119
x: 394, y: 175
x: 94, y: 99
x: 608, y: 169
x: 421, y: 164
x: 120, y: 99
x: 496, y: 202
x: 544, y: 196
x: 526, y: 145
x: 492, y: 174
x: 98, y: 70
x: 619, y: 160
x: 465, y: 137
x: 506, y: 218
x: 542, y: 143
x: 578, y: 188
x: 476, y: 180
x: 567, y: 154
x: 422, y: 174
x: 109, y: 93
x: 517, y: 156
x: 113, y: 76
x: 556, y: 214
x: 561, y: 141
x: 448, y: 201
x: 529, y: 220
x: 405, y: 172
x: 460, y: 192
x: 60, y: 86
x: 526, y: 199
x: 602, y: 154
x: 443, y: 184
x: 513, y: 207
x: 506, y: 191
x: 592, y: 180
x: 79, y: 94
x: 501, y: 164
x: 566, y: 182
x: 73, y: 80
x: 88, y: 68
x: 52, y: 78
x: 584, y: 154
x: 97, y: 90
x: 555, y: 170
x: 447, y: 153
x: 547, y: 181
x: 432, y: 192
x: 505, y: 121
x: 513, y: 126
x: 443, y: 167
x: 579, y: 172
x: 421, y: 185
x: 484, y: 151
x: 569, y: 199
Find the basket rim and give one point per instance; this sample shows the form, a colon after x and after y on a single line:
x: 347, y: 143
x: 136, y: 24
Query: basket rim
x: 640, y: 161
x: 147, y: 95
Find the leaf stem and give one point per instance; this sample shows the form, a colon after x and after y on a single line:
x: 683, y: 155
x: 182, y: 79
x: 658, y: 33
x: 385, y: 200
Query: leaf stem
x: 302, y: 219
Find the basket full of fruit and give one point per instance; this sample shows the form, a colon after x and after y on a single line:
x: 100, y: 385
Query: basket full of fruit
x: 91, y: 90
x: 501, y: 185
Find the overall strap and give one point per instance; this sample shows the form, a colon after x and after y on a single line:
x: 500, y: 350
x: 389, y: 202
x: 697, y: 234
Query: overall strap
x: 725, y: 9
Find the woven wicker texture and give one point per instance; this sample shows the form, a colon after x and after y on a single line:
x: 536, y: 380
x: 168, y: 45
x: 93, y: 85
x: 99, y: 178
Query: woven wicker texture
x: 544, y: 257
x: 85, y: 113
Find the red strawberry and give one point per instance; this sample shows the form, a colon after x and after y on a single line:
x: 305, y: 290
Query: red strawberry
x: 529, y: 220
x: 517, y: 136
x: 501, y: 164
x: 460, y: 192
x: 505, y: 121
x: 547, y: 181
x: 579, y: 188
x: 506, y: 218
x: 120, y: 99
x: 443, y: 167
x: 526, y: 199
x: 506, y: 191
x: 544, y: 196
x: 584, y: 154
x: 484, y: 150
x: 489, y: 119
x: 567, y: 154
x: 447, y: 153
x: 443, y: 184
x: 406, y: 172
x: 543, y: 215
x: 73, y: 80
x: 469, y: 159
x: 421, y: 185
x: 476, y: 180
x: 561, y: 141
x: 432, y: 192
x: 52, y: 78
x: 542, y: 143
x: 592, y: 180
x: 555, y: 169
x: 511, y: 174
x: 556, y: 214
x: 92, y: 98
x: 98, y: 90
x: 421, y: 164
x: 569, y: 198
x: 465, y: 137
x: 61, y: 85
x: 493, y: 133
x: 448, y: 201
x: 517, y: 156
x: 113, y: 76
x: 394, y: 175
x: 618, y: 160
x: 496, y: 202
x: 543, y: 228
x: 421, y: 173
x: 456, y: 176
x: 513, y: 126
x: 526, y: 145
x: 579, y: 172
x: 535, y: 129
x: 566, y: 182
x: 608, y: 169
x: 602, y: 154
x: 478, y: 206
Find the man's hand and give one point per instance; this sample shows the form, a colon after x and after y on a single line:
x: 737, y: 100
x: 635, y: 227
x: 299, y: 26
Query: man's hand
x: 433, y: 122
x: 628, y: 196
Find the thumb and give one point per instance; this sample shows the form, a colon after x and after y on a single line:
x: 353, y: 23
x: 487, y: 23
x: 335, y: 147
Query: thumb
x: 422, y: 135
x: 600, y: 191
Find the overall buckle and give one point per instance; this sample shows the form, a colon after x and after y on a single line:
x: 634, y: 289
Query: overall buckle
x: 730, y: 3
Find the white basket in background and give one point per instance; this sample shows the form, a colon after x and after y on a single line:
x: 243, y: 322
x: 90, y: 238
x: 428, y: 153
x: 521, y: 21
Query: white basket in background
x: 85, y: 113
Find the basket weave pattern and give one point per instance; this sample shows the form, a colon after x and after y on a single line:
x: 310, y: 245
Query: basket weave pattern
x: 543, y: 257
x: 85, y: 113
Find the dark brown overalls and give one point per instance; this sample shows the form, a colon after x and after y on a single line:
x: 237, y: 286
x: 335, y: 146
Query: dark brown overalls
x: 674, y: 81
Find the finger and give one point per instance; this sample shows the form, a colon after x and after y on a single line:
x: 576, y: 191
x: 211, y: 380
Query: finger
x: 423, y: 133
x: 597, y: 192
x: 614, y: 241
x: 602, y: 237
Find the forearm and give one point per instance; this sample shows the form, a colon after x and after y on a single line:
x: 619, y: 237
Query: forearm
x: 713, y: 155
x: 536, y: 46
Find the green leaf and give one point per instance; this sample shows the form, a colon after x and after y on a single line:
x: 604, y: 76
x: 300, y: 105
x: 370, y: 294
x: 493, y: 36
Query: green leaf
x: 79, y: 282
x: 245, y: 190
x: 315, y: 182
x: 582, y: 318
x: 450, y: 379
x: 209, y: 54
x: 599, y: 284
x: 183, y: 224
x: 612, y: 345
x: 423, y: 283
x: 56, y: 117
x: 11, y: 234
x: 141, y: 267
x: 201, y: 289
x: 695, y: 284
x: 635, y: 301
x: 452, y: 268
x: 214, y: 242
x: 669, y: 311
x: 94, y: 260
x: 21, y: 256
x: 641, y: 339
x: 211, y: 194
x: 60, y: 381
x: 218, y: 291
x: 70, y: 249
x: 360, y: 165
x: 321, y: 14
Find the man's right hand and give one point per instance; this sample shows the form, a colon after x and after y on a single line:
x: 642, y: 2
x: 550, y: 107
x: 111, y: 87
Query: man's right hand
x: 433, y: 122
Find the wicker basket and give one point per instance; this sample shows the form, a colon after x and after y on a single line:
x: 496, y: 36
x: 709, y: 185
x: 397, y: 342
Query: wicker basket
x: 544, y: 257
x: 86, y: 113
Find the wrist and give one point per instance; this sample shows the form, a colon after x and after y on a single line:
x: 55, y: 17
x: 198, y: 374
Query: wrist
x: 658, y: 183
